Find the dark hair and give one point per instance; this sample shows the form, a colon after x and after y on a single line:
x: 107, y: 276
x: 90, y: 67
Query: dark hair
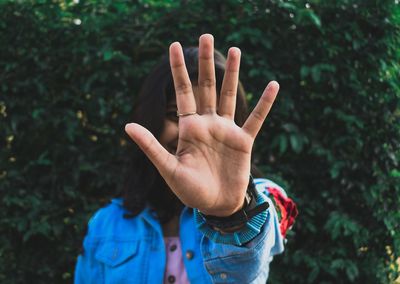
x: 143, y: 184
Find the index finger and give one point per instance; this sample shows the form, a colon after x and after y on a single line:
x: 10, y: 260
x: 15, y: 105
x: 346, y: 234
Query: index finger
x: 183, y: 87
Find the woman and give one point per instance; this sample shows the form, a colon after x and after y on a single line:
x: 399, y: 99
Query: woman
x: 203, y: 161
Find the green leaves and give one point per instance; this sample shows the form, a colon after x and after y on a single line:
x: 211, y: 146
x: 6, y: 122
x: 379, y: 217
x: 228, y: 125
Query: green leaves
x: 348, y: 266
x: 316, y: 71
x: 340, y: 224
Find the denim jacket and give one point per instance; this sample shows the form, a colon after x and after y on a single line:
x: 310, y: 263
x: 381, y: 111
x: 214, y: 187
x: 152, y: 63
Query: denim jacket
x: 120, y: 250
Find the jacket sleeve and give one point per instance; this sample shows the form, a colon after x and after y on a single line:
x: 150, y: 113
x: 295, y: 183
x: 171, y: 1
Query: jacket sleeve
x: 88, y: 269
x: 248, y: 263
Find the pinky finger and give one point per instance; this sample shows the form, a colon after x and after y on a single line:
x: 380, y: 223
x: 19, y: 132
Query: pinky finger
x: 256, y: 118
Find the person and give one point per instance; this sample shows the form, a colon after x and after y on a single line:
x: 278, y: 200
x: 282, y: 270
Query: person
x: 191, y: 211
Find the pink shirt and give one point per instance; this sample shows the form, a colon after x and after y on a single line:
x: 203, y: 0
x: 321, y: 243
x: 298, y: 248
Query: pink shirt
x: 175, y: 271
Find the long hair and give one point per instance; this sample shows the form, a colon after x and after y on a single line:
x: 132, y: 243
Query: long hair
x: 143, y: 184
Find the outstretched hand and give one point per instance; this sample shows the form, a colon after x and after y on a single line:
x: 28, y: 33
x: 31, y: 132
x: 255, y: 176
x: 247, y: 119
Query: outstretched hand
x: 210, y: 169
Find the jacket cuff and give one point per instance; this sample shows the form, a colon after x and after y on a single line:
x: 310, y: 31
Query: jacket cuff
x: 249, y: 231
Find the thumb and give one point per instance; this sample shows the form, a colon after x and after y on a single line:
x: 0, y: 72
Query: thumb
x: 158, y: 155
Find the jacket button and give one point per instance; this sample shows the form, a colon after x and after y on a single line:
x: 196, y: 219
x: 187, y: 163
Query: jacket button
x: 223, y: 276
x: 189, y: 254
x: 171, y: 279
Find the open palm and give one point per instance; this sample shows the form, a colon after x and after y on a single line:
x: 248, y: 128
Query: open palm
x: 210, y: 169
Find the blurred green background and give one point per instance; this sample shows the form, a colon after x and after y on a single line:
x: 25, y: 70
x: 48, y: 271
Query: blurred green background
x: 69, y: 75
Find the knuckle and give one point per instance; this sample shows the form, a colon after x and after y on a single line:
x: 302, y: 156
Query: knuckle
x: 183, y: 88
x: 258, y: 116
x: 148, y: 146
x: 206, y: 83
x: 230, y: 93
x: 266, y: 100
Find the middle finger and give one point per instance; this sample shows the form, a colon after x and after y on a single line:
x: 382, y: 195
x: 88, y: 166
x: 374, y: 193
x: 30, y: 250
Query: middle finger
x: 206, y: 80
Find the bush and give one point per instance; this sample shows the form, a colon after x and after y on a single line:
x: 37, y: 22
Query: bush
x: 69, y: 75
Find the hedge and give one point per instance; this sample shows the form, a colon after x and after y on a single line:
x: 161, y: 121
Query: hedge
x: 69, y: 75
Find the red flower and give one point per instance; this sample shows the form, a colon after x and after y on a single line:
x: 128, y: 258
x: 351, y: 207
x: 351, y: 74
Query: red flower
x: 287, y: 208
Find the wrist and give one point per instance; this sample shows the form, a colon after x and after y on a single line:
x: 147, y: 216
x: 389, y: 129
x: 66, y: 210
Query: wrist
x: 235, y: 235
x: 224, y: 212
x: 240, y: 217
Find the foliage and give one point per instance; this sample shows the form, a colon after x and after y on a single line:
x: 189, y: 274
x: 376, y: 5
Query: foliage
x: 69, y: 73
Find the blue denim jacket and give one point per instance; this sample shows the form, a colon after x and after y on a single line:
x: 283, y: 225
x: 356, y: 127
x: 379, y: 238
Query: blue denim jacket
x: 120, y: 250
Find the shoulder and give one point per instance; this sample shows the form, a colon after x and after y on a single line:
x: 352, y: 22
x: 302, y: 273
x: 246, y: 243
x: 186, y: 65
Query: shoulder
x: 110, y: 222
x: 264, y: 185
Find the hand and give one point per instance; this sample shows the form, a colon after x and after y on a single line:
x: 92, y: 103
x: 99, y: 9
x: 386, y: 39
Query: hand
x: 211, y: 167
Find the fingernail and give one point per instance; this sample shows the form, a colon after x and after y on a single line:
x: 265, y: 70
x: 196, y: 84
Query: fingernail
x: 207, y: 35
x: 234, y: 50
x: 127, y: 125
